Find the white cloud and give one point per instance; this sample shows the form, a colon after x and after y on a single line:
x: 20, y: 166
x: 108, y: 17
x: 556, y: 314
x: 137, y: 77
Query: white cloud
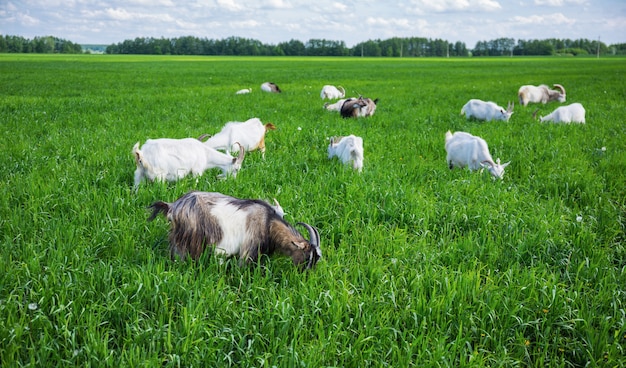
x: 559, y: 2
x: 277, y: 4
x: 339, y: 6
x: 556, y: 18
x: 384, y: 22
x: 251, y: 23
x: 230, y: 5
x: 443, y: 6
x: 118, y: 14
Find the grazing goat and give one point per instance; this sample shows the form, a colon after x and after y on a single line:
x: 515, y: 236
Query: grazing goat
x: 487, y: 111
x: 574, y: 113
x: 464, y: 149
x: 335, y: 106
x: 244, y: 227
x: 347, y: 149
x: 171, y: 159
x: 243, y: 91
x: 541, y: 94
x: 332, y: 92
x: 270, y: 87
x: 250, y: 134
x: 358, y: 107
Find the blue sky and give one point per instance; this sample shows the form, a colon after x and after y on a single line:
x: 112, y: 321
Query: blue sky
x: 274, y: 21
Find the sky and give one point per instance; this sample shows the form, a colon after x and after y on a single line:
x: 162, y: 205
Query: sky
x: 274, y: 21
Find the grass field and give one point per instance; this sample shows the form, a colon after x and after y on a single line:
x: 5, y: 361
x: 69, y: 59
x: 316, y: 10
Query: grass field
x: 423, y: 266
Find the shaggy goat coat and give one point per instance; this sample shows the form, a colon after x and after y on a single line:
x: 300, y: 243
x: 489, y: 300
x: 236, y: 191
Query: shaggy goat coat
x: 233, y: 226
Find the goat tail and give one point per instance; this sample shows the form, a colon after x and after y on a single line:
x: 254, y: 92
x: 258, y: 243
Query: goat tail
x: 138, y: 155
x: 270, y: 126
x: 158, y: 207
x: 522, y: 97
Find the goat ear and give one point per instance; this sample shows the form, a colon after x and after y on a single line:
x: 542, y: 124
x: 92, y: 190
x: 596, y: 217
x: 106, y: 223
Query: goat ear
x: 506, y: 164
x: 300, y: 245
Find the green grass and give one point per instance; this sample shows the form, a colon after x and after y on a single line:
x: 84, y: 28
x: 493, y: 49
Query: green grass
x: 422, y: 266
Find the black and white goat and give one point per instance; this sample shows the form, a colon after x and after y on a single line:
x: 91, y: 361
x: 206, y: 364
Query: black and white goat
x: 358, y: 107
x: 270, y: 87
x: 247, y: 228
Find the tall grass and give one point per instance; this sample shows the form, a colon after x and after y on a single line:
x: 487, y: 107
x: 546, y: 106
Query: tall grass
x: 422, y: 266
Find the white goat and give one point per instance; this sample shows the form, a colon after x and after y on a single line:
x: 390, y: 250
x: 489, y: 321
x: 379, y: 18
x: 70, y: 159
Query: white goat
x: 335, y: 106
x: 347, y: 149
x: 332, y: 92
x: 250, y: 134
x: 243, y: 91
x: 270, y: 87
x: 232, y: 226
x: 167, y: 159
x: 574, y: 113
x: 487, y: 111
x: 358, y: 107
x: 541, y: 93
x: 464, y: 149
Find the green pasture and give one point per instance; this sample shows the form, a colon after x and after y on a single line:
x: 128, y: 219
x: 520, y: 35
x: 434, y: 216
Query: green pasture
x: 422, y: 266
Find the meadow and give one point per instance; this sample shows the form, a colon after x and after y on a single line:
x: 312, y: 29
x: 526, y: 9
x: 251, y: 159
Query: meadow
x: 422, y: 266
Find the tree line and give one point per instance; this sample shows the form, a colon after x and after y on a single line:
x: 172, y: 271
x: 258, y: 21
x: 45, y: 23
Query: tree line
x: 392, y: 47
x: 38, y: 45
x: 551, y: 46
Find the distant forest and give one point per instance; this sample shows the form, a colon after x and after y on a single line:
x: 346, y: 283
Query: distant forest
x: 392, y: 47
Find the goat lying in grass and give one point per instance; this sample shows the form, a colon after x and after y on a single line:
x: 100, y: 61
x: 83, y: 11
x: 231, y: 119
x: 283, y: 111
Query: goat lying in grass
x: 358, y: 107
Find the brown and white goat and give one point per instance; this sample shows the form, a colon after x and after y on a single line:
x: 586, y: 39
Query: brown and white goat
x: 541, y: 93
x: 232, y: 226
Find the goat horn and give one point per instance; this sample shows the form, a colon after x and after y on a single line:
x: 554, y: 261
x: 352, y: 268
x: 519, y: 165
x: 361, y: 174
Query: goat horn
x: 561, y: 88
x: 535, y: 114
x: 314, y: 238
x: 203, y: 137
x: 242, y: 153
